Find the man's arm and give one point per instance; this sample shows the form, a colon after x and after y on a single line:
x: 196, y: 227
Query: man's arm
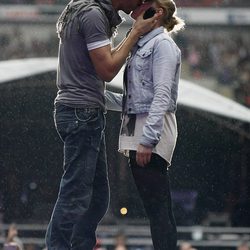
x: 108, y: 62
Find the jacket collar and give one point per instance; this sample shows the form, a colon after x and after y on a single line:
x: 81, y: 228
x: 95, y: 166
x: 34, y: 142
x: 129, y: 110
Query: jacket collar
x: 150, y: 35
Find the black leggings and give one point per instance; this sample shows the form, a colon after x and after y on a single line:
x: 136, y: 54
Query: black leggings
x: 152, y: 182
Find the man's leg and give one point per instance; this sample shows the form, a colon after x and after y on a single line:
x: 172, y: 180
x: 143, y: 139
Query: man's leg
x: 84, y: 236
x: 152, y: 183
x: 81, y: 131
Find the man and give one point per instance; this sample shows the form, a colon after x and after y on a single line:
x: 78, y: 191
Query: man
x: 86, y: 60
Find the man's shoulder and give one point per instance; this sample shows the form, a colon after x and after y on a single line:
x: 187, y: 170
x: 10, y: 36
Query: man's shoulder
x: 93, y: 19
x: 93, y: 12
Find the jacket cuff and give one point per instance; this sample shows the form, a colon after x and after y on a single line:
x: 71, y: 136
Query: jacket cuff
x: 147, y: 142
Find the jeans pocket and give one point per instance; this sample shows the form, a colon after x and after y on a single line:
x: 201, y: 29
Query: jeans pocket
x: 87, y: 114
x: 65, y: 128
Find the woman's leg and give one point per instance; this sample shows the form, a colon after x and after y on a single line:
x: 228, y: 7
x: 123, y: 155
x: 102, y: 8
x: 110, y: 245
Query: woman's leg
x: 153, y: 186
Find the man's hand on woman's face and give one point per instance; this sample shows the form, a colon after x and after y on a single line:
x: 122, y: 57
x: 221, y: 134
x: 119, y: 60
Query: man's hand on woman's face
x: 143, y: 26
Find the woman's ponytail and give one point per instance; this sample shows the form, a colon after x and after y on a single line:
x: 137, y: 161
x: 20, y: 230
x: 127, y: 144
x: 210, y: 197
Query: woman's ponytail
x: 174, y: 24
x: 171, y: 22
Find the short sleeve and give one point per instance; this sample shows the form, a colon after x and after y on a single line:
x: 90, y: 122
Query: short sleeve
x: 94, y: 27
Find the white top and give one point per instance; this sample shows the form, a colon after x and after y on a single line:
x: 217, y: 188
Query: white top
x: 131, y: 131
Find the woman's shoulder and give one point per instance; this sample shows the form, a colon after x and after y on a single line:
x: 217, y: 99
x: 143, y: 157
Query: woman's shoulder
x: 164, y: 40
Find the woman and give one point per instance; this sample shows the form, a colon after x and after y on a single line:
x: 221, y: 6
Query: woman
x: 149, y: 130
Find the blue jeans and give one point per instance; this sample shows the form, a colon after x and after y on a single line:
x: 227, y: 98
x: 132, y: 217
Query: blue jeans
x: 84, y: 189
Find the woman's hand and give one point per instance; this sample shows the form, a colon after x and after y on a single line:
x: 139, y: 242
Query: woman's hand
x: 143, y: 155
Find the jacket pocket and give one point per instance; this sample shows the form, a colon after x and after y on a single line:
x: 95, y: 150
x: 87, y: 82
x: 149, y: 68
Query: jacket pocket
x: 143, y: 59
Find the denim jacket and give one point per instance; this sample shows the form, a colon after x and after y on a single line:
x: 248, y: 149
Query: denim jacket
x: 153, y: 72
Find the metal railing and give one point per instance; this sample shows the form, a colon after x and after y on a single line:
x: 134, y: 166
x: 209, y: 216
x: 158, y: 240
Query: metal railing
x: 139, y: 235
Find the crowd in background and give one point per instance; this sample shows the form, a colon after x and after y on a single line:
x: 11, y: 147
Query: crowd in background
x: 34, y: 1
x: 13, y: 45
x: 223, y: 57
x: 201, y: 3
x: 212, y: 3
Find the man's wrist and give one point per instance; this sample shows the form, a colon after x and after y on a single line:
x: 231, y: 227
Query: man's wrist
x: 135, y: 34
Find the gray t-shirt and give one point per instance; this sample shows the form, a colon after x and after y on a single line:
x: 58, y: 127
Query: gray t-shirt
x: 77, y: 81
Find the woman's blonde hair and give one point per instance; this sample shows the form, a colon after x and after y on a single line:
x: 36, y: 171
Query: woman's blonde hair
x: 170, y: 20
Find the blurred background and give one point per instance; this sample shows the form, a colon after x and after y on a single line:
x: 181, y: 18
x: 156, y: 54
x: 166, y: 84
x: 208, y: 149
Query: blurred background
x: 210, y: 171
